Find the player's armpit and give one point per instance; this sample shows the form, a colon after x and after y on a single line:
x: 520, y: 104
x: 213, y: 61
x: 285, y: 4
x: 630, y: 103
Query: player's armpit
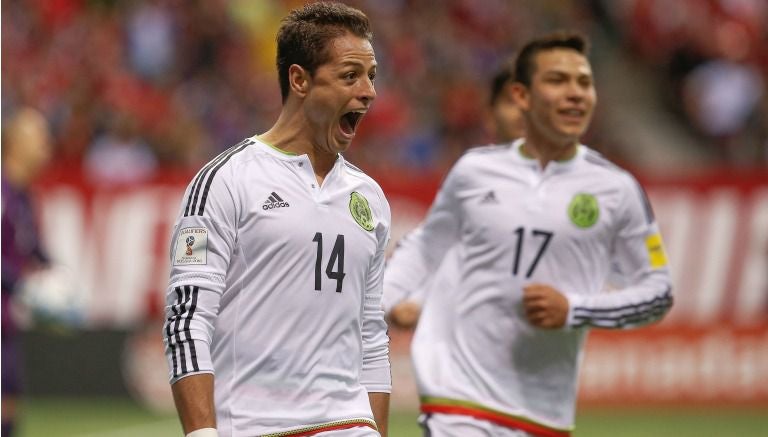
x: 193, y: 396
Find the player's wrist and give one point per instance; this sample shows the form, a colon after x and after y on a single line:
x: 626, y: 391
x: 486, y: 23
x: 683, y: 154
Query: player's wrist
x: 204, y: 432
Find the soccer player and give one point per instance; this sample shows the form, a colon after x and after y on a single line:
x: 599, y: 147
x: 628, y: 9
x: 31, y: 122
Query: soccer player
x: 274, y: 318
x: 505, y: 122
x: 539, y: 223
x: 26, y: 150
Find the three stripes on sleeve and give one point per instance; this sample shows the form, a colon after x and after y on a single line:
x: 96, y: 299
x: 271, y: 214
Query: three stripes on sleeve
x: 624, y: 315
x: 177, y: 332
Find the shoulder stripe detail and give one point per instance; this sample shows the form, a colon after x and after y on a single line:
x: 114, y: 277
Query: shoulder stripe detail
x: 195, y: 189
x: 213, y: 173
x: 353, y: 167
x: 594, y: 157
x: 212, y: 167
x: 173, y: 330
x: 649, y: 215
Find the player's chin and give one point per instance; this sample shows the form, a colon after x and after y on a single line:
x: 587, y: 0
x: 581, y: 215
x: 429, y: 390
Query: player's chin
x: 340, y: 146
x: 572, y: 133
x: 341, y: 142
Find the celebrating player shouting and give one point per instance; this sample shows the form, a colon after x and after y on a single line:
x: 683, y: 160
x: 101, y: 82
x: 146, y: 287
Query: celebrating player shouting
x: 539, y: 224
x: 278, y: 254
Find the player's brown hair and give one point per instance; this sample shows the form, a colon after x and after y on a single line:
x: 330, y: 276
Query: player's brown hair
x: 305, y: 32
x: 525, y: 65
x: 503, y: 76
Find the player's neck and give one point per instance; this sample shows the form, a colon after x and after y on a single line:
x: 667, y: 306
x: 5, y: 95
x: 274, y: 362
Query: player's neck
x: 547, y: 151
x: 290, y: 135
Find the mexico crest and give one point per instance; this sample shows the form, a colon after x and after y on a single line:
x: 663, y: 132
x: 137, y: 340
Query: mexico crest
x: 584, y: 210
x: 361, y: 212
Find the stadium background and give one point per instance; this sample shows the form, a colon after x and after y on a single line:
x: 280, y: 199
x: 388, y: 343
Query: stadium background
x: 139, y: 94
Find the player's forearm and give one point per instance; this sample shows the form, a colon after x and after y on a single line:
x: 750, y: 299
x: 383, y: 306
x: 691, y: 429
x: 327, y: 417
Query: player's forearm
x: 380, y: 406
x: 630, y: 307
x: 193, y: 396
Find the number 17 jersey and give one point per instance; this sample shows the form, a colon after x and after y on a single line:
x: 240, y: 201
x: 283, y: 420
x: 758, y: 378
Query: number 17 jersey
x: 275, y: 288
x: 512, y: 224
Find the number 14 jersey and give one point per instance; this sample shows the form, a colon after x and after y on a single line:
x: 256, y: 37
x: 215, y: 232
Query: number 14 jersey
x: 276, y: 288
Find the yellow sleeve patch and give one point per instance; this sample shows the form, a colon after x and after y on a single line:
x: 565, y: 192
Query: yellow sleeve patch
x: 656, y: 254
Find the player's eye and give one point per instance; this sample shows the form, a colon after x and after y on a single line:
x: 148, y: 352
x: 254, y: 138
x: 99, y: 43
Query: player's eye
x: 555, y: 79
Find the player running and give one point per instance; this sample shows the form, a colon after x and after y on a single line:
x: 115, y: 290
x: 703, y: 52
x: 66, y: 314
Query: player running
x: 539, y: 224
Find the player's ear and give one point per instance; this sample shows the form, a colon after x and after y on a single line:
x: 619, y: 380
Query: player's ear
x: 298, y: 79
x: 521, y: 96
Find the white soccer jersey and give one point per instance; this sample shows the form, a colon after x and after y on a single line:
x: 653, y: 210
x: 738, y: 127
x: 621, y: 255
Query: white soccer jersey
x: 276, y: 287
x: 474, y: 351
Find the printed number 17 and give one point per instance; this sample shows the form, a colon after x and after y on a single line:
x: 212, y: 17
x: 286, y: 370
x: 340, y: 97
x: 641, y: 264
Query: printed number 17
x: 520, y: 232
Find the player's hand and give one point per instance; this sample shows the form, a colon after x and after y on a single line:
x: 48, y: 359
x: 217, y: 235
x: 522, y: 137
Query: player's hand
x: 405, y: 314
x: 544, y: 306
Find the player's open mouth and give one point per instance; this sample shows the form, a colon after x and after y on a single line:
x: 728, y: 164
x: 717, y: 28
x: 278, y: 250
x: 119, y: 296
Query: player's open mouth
x: 349, y: 122
x: 572, y: 114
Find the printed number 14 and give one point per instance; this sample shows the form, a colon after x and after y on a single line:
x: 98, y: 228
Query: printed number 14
x: 336, y: 260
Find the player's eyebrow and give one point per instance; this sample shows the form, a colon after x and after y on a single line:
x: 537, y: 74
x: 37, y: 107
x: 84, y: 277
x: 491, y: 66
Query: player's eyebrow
x: 564, y: 73
x: 355, y: 63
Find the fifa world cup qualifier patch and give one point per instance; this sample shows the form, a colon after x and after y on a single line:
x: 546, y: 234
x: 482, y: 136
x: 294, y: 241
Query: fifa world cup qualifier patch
x: 191, y: 247
x: 361, y: 212
x: 656, y: 254
x: 584, y: 210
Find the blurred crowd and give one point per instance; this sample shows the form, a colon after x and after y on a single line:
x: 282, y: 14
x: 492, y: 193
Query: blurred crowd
x: 132, y: 86
x: 712, y: 61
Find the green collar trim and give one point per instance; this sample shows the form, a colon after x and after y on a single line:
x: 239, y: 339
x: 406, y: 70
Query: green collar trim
x: 526, y: 155
x: 275, y: 148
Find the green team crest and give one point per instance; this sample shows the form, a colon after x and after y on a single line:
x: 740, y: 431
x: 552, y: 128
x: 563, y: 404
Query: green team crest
x: 361, y: 212
x: 584, y: 210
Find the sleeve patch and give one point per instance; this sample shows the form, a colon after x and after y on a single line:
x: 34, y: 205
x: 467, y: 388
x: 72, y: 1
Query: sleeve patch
x: 656, y: 254
x: 191, y: 247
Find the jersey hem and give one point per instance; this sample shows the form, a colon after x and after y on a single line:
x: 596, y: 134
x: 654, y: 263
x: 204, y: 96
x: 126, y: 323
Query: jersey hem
x: 431, y: 404
x: 325, y: 427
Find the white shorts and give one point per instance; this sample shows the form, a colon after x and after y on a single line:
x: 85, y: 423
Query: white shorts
x: 457, y: 425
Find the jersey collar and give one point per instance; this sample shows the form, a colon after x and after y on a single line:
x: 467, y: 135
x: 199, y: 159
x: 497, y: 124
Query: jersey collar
x: 282, y: 154
x: 526, y: 160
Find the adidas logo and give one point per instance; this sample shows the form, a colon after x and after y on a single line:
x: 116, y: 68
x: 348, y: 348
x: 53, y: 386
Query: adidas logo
x: 274, y: 201
x: 490, y: 197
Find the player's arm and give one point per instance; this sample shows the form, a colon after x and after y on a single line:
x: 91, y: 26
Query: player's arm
x: 420, y: 252
x: 376, y: 375
x: 193, y: 397
x: 380, y: 407
x: 639, y: 253
x: 201, y: 247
